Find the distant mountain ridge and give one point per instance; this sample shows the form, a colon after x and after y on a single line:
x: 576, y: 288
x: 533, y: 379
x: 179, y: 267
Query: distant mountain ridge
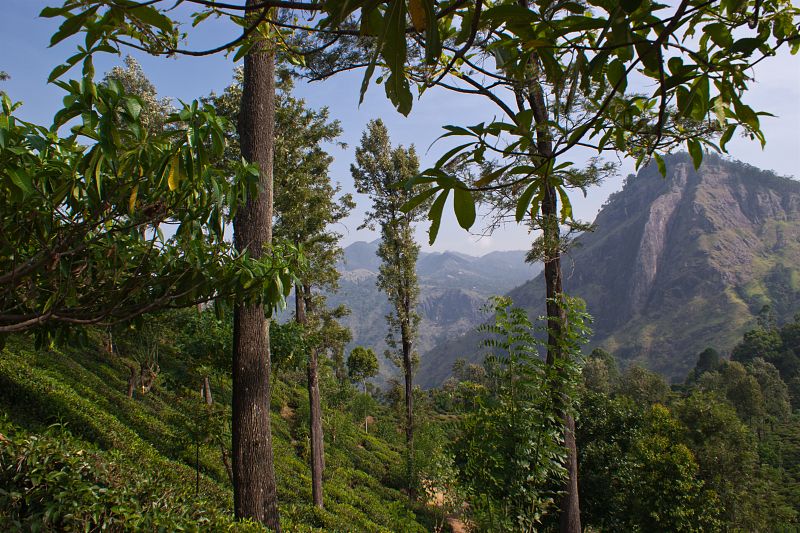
x: 454, y: 288
x: 675, y: 265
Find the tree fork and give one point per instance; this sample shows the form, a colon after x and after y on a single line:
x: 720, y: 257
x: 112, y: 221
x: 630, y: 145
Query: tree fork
x: 255, y: 491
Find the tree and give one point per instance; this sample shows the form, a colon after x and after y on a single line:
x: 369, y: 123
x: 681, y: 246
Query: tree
x: 708, y: 361
x: 362, y: 364
x: 637, y: 474
x: 155, y: 110
x: 381, y: 171
x: 558, y: 73
x: 643, y: 386
x: 509, y: 454
x: 82, y: 242
x: 305, y: 207
x: 773, y: 389
x: 727, y: 454
x: 255, y: 494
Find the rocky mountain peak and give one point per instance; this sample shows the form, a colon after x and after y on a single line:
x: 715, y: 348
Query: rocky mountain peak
x: 678, y: 263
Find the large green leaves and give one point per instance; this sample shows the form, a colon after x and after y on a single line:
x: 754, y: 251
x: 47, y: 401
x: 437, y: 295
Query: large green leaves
x: 82, y: 216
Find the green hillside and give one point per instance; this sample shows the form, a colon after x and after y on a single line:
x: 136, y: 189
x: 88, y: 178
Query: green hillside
x: 69, y: 433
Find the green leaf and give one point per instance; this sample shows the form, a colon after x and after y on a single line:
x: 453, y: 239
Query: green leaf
x: 630, y: 5
x: 662, y: 167
x: 450, y: 153
x: 726, y: 136
x: 71, y: 26
x: 435, y: 215
x: 615, y: 72
x: 745, y: 46
x: 719, y: 33
x: 394, y: 55
x: 133, y: 106
x: 566, y: 205
x: 464, y: 206
x: 58, y: 72
x: 22, y: 180
x: 525, y: 200
x: 696, y: 151
x: 152, y: 17
x: 433, y: 45
x: 746, y: 115
x: 415, y: 202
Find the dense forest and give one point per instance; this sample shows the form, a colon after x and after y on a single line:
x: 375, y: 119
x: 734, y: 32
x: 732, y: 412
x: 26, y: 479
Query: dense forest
x: 173, y: 352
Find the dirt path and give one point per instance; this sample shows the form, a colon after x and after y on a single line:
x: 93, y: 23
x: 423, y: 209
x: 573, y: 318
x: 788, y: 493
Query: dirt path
x: 456, y: 524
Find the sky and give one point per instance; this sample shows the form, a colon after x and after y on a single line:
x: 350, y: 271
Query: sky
x: 24, y: 39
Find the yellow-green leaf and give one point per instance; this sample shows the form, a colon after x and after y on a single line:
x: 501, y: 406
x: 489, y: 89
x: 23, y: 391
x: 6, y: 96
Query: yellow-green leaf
x: 174, y: 173
x: 132, y: 199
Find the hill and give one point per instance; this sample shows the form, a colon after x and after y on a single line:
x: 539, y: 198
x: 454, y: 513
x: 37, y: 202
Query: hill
x: 132, y: 461
x: 454, y: 288
x: 675, y: 265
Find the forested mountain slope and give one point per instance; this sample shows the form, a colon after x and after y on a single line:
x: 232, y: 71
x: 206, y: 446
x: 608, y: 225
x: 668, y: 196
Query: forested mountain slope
x: 675, y: 264
x: 453, y: 289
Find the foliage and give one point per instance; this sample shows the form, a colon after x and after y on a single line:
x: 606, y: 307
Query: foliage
x: 83, y: 240
x: 643, y: 385
x: 362, y: 364
x: 560, y: 73
x: 288, y: 345
x: 144, y: 450
x: 510, y: 448
x: 637, y: 475
x: 155, y: 111
x: 51, y: 482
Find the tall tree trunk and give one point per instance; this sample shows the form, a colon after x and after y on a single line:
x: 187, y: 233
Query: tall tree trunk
x: 570, y: 519
x: 302, y: 304
x: 409, y: 377
x: 207, y: 391
x: 317, y: 444
x: 254, y: 488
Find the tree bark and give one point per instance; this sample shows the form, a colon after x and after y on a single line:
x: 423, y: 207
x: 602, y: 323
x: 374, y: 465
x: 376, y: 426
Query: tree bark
x: 207, y: 391
x: 302, y: 304
x: 317, y: 444
x: 254, y: 488
x: 409, y: 382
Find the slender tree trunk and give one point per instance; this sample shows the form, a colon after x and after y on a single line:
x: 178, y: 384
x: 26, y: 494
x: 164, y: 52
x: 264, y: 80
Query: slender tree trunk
x: 409, y: 377
x: 131, y: 381
x: 317, y: 444
x: 302, y: 302
x: 254, y: 488
x: 207, y: 391
x: 570, y: 520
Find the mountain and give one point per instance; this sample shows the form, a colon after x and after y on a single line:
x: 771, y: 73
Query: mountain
x: 453, y: 289
x: 675, y: 265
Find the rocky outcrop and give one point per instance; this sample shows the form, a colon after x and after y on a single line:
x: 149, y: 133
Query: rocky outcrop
x: 654, y: 239
x: 676, y: 264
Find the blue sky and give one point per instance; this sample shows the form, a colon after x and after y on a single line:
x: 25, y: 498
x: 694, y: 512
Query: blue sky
x: 24, y: 38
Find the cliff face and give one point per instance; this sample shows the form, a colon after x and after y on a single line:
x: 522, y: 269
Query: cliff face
x: 680, y: 263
